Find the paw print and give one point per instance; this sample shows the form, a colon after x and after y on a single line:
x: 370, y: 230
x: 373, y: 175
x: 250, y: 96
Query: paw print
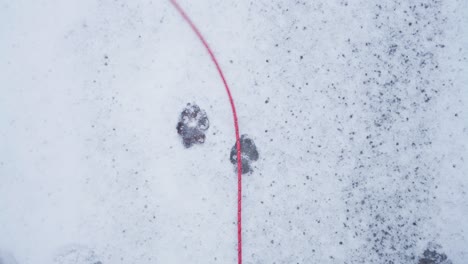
x: 249, y: 154
x: 432, y: 255
x: 192, y: 125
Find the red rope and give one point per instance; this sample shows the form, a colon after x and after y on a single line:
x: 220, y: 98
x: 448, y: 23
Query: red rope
x: 236, y: 127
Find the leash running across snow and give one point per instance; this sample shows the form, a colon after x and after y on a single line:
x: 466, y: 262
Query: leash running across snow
x: 236, y: 125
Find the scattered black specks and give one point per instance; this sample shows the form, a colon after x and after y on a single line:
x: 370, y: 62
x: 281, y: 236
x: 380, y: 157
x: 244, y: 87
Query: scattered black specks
x: 193, y: 122
x: 106, y: 60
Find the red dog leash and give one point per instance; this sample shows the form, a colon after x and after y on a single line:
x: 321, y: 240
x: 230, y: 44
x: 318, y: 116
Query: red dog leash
x: 236, y: 126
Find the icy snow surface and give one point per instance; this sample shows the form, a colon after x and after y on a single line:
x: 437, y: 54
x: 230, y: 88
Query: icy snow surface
x: 358, y: 110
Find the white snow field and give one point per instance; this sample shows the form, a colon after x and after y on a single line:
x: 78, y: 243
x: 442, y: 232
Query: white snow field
x: 358, y: 109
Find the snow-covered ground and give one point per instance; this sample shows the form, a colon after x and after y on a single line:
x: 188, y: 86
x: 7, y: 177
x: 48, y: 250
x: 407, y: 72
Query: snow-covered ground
x: 358, y: 110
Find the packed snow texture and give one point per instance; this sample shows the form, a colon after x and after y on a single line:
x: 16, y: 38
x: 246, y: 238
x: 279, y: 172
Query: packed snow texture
x: 358, y: 110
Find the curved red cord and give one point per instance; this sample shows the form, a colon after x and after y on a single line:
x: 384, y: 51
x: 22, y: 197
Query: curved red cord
x: 236, y: 127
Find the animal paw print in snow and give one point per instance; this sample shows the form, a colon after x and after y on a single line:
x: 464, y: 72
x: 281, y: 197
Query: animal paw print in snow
x: 192, y: 125
x: 249, y: 153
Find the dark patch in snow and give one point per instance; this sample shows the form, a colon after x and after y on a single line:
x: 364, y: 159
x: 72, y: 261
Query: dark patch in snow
x: 193, y: 122
x: 432, y: 256
x: 249, y: 153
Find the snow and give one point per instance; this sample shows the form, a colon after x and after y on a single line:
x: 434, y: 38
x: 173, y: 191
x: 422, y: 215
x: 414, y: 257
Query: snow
x: 357, y: 108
